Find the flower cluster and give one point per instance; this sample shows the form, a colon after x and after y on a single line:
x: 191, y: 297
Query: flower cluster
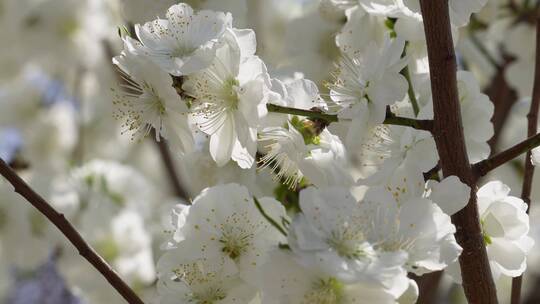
x: 231, y: 246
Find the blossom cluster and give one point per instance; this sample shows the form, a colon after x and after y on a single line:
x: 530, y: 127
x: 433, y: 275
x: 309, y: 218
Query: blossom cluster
x: 193, y: 72
x: 296, y: 187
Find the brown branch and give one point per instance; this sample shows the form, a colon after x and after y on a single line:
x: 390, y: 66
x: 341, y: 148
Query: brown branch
x: 448, y: 133
x: 529, y: 168
x: 503, y: 98
x: 484, y: 167
x: 428, y: 285
x: 70, y: 232
x: 170, y: 168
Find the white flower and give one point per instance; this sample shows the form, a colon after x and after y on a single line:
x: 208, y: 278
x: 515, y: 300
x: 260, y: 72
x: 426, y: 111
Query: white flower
x: 505, y: 227
x: 148, y: 100
x: 213, y: 281
x: 285, y: 281
x: 298, y: 93
x: 100, y: 189
x: 476, y: 113
x: 229, y: 100
x: 128, y: 247
x: 371, y: 77
x: 535, y: 156
x: 184, y: 42
x: 450, y: 194
x: 286, y: 149
x: 360, y: 31
x: 224, y: 222
x: 333, y: 234
x: 378, y: 150
x: 421, y: 228
x: 460, y: 10
x: 295, y: 152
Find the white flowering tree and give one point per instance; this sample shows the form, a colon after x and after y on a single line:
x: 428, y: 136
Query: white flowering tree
x: 272, y: 152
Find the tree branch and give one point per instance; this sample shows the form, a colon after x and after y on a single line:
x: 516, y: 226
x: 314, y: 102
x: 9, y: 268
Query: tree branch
x: 170, y: 168
x: 391, y: 118
x: 529, y: 168
x: 70, y: 232
x: 484, y: 167
x: 448, y: 133
x: 503, y: 98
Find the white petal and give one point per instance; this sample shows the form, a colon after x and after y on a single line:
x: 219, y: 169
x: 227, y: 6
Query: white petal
x: 222, y: 142
x: 535, y: 156
x: 450, y: 194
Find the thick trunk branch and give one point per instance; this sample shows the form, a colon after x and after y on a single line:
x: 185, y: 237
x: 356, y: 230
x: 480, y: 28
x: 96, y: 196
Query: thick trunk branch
x: 448, y: 132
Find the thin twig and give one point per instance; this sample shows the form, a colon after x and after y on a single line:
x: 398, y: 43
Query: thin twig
x: 450, y: 140
x: 529, y: 168
x: 391, y: 118
x: 503, y: 98
x: 170, y: 168
x: 485, y: 166
x: 58, y: 219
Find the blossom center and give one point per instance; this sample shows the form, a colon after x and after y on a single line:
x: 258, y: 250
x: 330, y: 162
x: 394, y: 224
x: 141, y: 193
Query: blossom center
x: 348, y: 243
x: 235, y: 241
x: 325, y: 292
x: 210, y: 296
x: 181, y: 51
x: 230, y: 91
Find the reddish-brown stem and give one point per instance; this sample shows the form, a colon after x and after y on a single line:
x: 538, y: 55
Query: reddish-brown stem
x: 428, y: 285
x: 448, y: 133
x: 170, y: 168
x: 529, y: 168
x: 503, y: 98
x: 70, y: 232
x: 484, y: 167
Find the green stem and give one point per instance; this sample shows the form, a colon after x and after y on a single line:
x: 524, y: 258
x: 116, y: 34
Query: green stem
x: 268, y: 218
x: 412, y: 96
x: 329, y: 118
x: 391, y: 118
x: 406, y: 73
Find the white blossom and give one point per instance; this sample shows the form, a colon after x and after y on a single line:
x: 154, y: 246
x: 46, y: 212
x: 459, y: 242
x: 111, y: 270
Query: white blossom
x: 476, y: 113
x: 286, y: 281
x: 229, y: 100
x: 184, y: 42
x: 535, y: 156
x: 505, y: 228
x: 371, y: 78
x: 148, y: 101
x: 333, y: 234
x: 224, y: 222
x: 200, y: 281
x: 294, y: 153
